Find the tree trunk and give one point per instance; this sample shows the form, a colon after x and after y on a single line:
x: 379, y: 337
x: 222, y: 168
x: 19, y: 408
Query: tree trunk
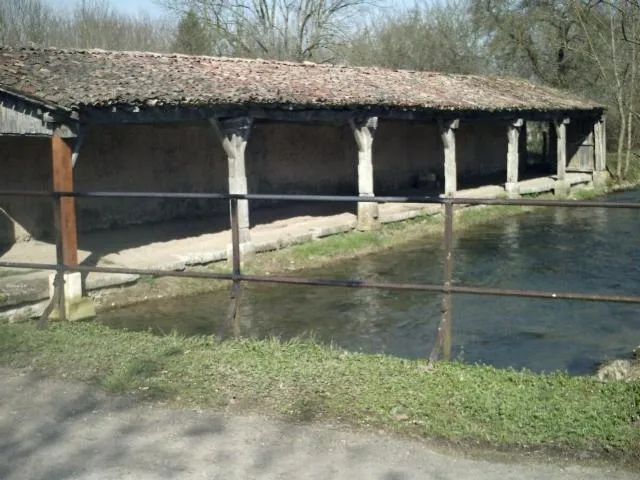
x: 632, y: 95
x: 621, y: 136
x: 627, y: 160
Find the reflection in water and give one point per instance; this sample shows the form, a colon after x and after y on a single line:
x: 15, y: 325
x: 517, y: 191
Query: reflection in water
x: 511, y: 234
x: 366, y: 300
x: 560, y: 216
x: 599, y: 219
x: 585, y: 250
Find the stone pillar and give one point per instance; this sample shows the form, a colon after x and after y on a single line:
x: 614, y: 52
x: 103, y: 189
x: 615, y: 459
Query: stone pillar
x: 234, y: 134
x: 447, y: 132
x: 561, y: 187
x: 76, y: 306
x: 600, y: 174
x: 364, y: 130
x: 513, y: 158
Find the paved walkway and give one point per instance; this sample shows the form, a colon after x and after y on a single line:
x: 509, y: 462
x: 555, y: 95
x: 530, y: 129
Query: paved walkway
x: 175, y: 244
x: 52, y: 430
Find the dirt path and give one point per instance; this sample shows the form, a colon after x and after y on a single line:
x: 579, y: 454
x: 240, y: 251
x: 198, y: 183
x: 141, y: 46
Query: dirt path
x: 51, y: 429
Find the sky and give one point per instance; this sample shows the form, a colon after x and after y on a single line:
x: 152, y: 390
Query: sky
x: 136, y: 6
x: 127, y: 6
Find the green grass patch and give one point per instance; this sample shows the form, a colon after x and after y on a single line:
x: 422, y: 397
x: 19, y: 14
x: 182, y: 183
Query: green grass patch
x: 303, y: 381
x: 147, y: 280
x: 7, y: 272
x: 633, y: 175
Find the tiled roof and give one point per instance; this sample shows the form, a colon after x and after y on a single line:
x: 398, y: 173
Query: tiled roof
x: 76, y: 78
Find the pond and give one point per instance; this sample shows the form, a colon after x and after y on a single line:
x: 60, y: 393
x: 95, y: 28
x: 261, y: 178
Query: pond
x: 578, y: 249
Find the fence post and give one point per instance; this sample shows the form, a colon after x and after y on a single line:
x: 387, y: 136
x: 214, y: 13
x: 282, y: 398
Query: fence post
x: 232, y: 313
x: 444, y: 329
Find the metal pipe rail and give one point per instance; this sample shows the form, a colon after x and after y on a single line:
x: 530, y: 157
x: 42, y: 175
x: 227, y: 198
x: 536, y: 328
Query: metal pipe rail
x: 346, y: 283
x: 236, y: 277
x: 535, y: 202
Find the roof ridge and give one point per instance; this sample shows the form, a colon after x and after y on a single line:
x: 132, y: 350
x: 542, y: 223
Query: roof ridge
x: 264, y: 61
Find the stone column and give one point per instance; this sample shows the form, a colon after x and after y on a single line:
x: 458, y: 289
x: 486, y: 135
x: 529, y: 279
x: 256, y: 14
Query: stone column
x: 234, y: 134
x: 364, y: 130
x: 561, y: 187
x: 513, y: 158
x: 600, y: 174
x: 447, y: 132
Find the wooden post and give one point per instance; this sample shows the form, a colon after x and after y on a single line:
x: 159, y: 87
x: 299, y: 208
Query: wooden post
x: 233, y: 319
x: 601, y: 144
x: 513, y: 158
x: 444, y: 339
x: 561, y: 187
x: 61, y: 154
x: 600, y: 174
x: 447, y: 132
x: 364, y: 130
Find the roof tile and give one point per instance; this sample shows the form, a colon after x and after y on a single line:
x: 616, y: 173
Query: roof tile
x: 77, y: 78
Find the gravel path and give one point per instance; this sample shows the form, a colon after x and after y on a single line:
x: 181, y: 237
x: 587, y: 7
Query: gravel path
x: 51, y: 429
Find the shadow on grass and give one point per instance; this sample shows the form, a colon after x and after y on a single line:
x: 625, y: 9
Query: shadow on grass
x: 54, y: 430
x: 144, y: 374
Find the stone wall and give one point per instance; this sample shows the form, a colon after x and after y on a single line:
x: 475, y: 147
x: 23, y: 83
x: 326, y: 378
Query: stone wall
x: 481, y: 149
x: 293, y: 158
x: 403, y: 153
x: 26, y: 165
x: 142, y: 158
x: 281, y: 158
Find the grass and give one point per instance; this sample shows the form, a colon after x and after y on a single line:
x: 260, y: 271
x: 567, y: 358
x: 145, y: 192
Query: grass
x: 633, y: 176
x: 303, y: 381
x: 6, y: 272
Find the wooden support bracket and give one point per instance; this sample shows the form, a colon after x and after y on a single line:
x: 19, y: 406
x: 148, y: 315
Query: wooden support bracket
x: 364, y: 130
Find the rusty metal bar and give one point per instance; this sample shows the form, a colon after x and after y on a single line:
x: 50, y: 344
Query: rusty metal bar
x: 334, y: 198
x: 444, y: 335
x: 236, y: 289
x: 321, y: 282
x: 58, y: 298
x: 59, y: 279
x: 235, y: 237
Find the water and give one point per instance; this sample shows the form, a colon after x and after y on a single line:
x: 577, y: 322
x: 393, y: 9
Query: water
x: 583, y: 250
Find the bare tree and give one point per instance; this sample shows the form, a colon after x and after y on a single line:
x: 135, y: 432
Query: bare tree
x: 279, y: 29
x: 605, y: 26
x: 533, y: 38
x: 434, y: 36
x: 24, y: 21
x: 90, y: 23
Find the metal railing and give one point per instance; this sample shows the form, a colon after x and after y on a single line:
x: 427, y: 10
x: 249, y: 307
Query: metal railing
x: 236, y: 277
